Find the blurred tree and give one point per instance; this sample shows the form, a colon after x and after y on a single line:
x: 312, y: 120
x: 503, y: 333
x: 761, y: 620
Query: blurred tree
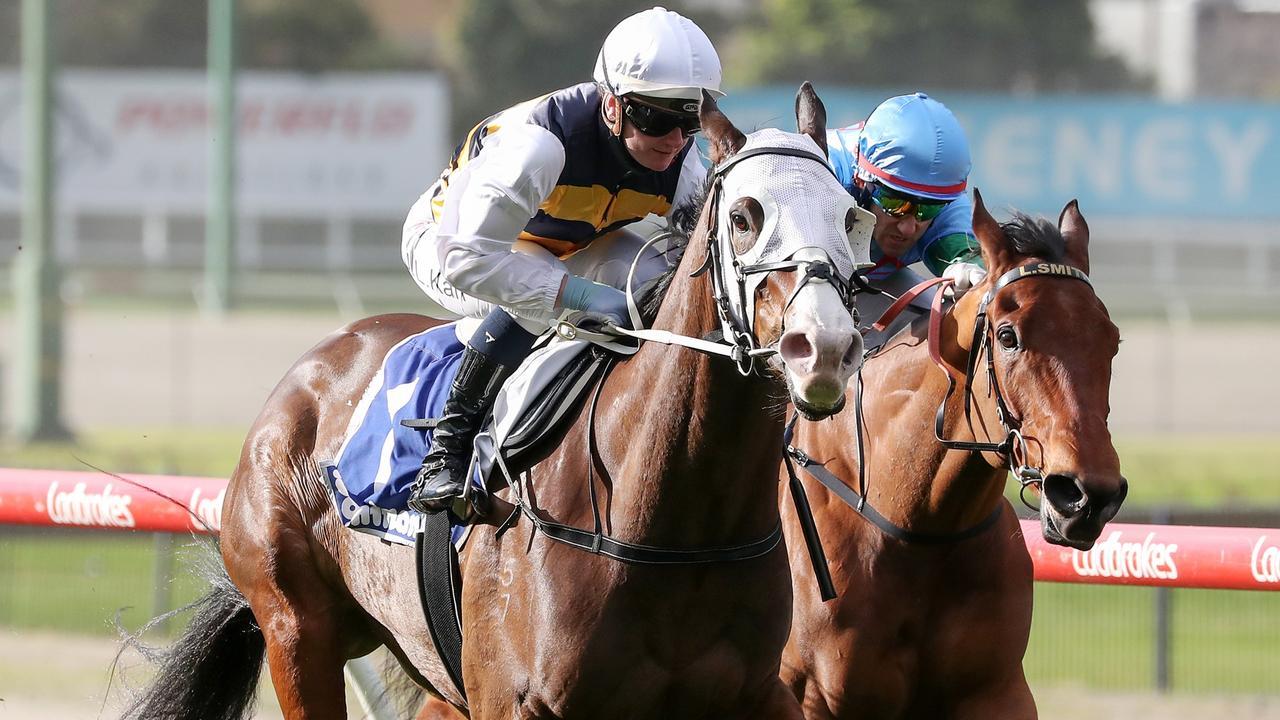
x: 10, y: 22
x: 130, y: 33
x: 278, y: 34
x: 997, y: 45
x: 309, y: 36
x: 512, y: 50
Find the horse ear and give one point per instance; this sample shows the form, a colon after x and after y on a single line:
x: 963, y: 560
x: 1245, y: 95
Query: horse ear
x: 811, y: 115
x: 995, y: 248
x: 723, y: 139
x: 1075, y: 233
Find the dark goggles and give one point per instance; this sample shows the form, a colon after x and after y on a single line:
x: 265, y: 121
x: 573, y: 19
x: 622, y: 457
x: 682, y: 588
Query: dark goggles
x: 656, y: 121
x: 899, y: 205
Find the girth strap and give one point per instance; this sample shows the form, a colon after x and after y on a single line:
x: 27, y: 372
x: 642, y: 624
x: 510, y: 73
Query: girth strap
x: 440, y: 591
x: 600, y: 544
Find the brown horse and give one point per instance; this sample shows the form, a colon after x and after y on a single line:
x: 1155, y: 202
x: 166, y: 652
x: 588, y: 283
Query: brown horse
x: 683, y: 448
x: 935, y: 581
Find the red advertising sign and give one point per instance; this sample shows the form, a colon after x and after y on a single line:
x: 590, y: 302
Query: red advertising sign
x: 1164, y: 555
x: 157, y: 503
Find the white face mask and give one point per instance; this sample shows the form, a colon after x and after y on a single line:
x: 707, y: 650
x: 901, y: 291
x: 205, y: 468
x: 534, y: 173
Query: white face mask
x: 805, y: 207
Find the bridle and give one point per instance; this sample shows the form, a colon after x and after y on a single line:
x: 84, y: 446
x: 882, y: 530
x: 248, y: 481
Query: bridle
x: 1014, y: 445
x: 731, y: 283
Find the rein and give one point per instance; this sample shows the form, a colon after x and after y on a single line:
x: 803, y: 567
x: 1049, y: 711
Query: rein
x: 1014, y: 445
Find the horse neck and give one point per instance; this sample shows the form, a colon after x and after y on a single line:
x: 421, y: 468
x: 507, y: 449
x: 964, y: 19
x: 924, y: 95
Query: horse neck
x: 697, y: 445
x: 911, y: 478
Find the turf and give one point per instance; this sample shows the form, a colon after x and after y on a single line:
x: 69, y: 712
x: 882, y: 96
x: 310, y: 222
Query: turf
x: 1105, y: 637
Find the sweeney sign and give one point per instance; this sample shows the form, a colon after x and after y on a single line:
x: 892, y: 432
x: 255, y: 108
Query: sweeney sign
x: 1120, y: 156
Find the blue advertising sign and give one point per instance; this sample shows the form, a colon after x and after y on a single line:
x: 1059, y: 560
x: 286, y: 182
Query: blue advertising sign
x: 1120, y: 156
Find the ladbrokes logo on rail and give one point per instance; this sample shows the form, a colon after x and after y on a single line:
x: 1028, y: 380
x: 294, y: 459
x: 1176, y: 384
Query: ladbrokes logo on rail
x: 1138, y: 560
x: 1264, y: 561
x: 207, y: 509
x: 80, y: 507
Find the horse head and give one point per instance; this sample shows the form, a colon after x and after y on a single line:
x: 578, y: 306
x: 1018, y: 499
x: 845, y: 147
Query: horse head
x: 1048, y: 344
x: 775, y: 206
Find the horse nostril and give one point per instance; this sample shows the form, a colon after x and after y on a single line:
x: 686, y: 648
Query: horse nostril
x: 795, y: 346
x: 1065, y: 494
x: 853, y: 355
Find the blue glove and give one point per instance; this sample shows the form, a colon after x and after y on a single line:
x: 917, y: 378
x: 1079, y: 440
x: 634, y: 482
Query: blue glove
x: 597, y: 301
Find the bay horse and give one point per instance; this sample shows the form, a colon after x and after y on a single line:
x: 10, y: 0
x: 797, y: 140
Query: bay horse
x: 682, y: 452
x: 935, y: 582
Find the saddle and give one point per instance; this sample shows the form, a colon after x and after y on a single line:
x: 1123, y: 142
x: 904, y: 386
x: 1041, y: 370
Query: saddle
x: 536, y: 406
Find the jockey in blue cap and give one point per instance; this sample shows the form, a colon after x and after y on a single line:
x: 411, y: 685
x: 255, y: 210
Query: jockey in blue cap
x: 908, y: 163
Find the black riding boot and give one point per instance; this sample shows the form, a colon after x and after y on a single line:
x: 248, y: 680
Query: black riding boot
x: 444, y: 471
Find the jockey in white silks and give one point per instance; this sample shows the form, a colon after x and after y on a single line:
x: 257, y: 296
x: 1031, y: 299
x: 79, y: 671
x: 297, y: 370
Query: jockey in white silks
x: 908, y: 163
x: 528, y: 220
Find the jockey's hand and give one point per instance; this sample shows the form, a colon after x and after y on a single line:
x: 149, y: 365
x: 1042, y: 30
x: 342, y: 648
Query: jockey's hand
x: 595, y: 301
x: 965, y: 275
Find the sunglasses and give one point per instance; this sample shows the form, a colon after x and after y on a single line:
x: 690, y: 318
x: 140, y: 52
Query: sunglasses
x: 655, y: 121
x: 898, y: 205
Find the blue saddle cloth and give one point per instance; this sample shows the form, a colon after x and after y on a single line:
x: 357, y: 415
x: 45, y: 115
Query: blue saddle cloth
x: 379, y: 459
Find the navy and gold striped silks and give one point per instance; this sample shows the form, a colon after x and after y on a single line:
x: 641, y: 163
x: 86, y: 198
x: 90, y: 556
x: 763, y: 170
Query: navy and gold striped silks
x: 600, y: 188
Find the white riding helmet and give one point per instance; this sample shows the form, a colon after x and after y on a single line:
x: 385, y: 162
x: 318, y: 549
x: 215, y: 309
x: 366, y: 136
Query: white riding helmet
x: 659, y: 53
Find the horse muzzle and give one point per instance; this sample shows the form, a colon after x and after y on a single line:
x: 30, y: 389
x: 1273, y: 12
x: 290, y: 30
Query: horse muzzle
x: 1073, y: 511
x: 820, y: 350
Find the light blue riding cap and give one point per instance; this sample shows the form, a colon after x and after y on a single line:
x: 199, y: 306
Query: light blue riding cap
x: 913, y: 144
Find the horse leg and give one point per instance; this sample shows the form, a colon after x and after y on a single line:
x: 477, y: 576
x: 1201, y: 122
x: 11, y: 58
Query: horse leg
x: 1011, y: 700
x: 306, y: 664
x: 271, y: 562
x: 778, y: 704
x: 437, y: 709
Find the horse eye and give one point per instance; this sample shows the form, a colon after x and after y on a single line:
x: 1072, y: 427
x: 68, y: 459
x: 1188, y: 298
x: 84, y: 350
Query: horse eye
x: 739, y: 222
x: 1008, y: 338
x: 849, y: 219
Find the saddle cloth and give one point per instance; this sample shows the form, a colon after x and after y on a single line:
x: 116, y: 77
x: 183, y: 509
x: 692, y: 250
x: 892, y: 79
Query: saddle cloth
x: 371, y: 475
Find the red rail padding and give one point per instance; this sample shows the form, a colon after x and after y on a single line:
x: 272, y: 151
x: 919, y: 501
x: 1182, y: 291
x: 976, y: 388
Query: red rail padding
x: 1167, y: 555
x: 92, y: 499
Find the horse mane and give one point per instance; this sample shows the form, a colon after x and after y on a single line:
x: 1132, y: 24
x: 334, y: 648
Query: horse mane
x: 1035, y: 237
x: 684, y: 221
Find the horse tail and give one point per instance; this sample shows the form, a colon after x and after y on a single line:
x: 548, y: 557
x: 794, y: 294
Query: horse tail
x: 211, y: 672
